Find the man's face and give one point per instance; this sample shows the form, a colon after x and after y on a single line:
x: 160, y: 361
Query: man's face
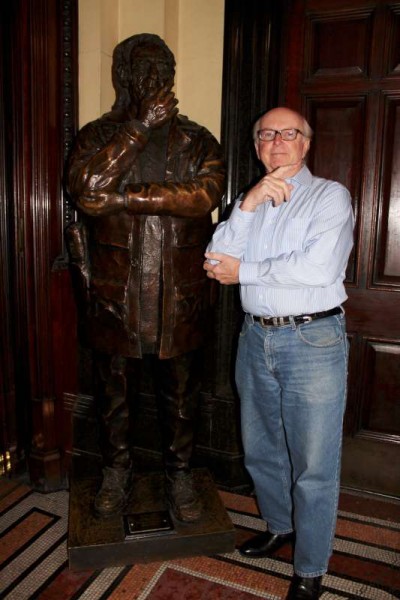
x: 277, y: 153
x: 150, y: 70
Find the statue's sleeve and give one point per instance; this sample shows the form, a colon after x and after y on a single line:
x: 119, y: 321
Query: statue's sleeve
x: 196, y: 195
x: 99, y: 164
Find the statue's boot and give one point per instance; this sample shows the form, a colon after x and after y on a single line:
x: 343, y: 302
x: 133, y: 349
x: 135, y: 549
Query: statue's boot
x: 111, y: 388
x: 111, y: 498
x: 182, y: 495
x: 178, y: 391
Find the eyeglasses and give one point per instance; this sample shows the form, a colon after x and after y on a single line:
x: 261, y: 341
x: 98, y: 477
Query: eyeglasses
x: 268, y: 135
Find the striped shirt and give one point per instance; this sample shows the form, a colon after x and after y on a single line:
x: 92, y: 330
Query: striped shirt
x: 294, y: 256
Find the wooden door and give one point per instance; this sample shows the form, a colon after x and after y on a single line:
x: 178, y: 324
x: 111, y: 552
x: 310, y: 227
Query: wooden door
x: 342, y: 69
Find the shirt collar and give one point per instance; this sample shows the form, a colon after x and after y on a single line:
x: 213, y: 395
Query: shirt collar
x: 303, y: 177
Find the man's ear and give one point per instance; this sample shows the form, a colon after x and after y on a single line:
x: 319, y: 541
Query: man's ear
x: 256, y: 147
x: 306, y: 147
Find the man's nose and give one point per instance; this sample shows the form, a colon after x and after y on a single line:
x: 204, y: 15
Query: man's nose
x: 278, y: 138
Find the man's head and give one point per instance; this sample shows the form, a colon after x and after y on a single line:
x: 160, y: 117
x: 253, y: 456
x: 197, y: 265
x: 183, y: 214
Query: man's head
x: 289, y: 146
x: 142, y: 64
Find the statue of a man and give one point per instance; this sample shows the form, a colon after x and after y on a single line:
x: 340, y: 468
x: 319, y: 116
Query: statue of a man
x: 145, y: 181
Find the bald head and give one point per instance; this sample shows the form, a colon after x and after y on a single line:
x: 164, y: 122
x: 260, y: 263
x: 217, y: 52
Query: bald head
x: 285, y: 113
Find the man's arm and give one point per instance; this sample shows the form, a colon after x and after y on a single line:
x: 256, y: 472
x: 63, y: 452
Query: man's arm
x: 326, y: 249
x: 231, y: 236
x: 323, y: 259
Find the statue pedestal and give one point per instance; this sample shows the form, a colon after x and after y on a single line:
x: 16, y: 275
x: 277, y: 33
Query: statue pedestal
x: 95, y: 543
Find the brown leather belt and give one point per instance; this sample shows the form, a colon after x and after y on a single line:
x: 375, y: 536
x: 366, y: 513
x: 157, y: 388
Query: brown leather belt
x: 280, y: 321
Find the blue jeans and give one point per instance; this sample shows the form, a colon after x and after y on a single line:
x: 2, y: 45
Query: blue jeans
x: 292, y: 382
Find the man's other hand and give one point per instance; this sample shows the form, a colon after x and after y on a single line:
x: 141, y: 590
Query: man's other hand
x: 225, y: 269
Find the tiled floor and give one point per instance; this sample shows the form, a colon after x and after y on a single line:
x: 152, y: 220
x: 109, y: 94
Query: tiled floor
x: 34, y: 559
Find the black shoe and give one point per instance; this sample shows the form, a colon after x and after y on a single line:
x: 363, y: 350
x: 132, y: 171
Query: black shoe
x: 265, y: 544
x: 112, y: 495
x: 182, y: 496
x: 304, y: 588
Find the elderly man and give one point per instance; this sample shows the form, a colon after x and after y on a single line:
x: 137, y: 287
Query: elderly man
x: 287, y: 243
x: 145, y: 180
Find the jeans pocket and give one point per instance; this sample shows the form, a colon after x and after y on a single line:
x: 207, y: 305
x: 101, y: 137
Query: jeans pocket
x: 322, y: 333
x: 247, y: 323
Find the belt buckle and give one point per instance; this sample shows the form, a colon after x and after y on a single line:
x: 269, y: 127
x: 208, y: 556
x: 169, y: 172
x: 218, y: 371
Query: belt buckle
x: 306, y: 318
x: 264, y: 321
x: 277, y: 321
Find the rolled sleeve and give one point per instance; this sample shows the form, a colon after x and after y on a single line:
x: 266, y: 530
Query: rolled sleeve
x: 231, y: 236
x: 248, y: 273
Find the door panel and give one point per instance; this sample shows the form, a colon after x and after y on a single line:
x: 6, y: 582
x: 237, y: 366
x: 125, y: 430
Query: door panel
x: 386, y: 268
x: 340, y: 125
x: 380, y: 409
x: 348, y: 85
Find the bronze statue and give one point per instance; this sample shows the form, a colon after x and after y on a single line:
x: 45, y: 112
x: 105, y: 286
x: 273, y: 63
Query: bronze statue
x: 145, y: 180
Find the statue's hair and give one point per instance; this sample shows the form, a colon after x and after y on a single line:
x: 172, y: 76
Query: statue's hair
x: 121, y: 67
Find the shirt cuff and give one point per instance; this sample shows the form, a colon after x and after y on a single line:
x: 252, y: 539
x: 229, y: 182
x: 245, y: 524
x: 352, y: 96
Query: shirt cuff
x: 241, y: 217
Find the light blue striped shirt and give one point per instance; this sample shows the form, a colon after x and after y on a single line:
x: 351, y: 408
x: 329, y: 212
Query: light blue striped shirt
x: 294, y: 256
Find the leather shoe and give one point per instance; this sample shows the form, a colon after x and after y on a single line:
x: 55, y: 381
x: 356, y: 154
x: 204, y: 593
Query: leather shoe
x: 304, y: 588
x: 265, y: 544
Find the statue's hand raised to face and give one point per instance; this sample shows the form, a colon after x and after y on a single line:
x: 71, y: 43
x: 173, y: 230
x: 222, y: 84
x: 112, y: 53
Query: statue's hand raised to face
x: 155, y: 110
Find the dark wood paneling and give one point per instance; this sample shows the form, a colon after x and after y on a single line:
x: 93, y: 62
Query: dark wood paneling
x: 339, y: 44
x: 393, y: 40
x: 387, y: 260
x: 339, y: 126
x: 380, y: 409
x: 251, y: 82
x: 40, y: 57
x: 9, y: 455
x: 337, y: 150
